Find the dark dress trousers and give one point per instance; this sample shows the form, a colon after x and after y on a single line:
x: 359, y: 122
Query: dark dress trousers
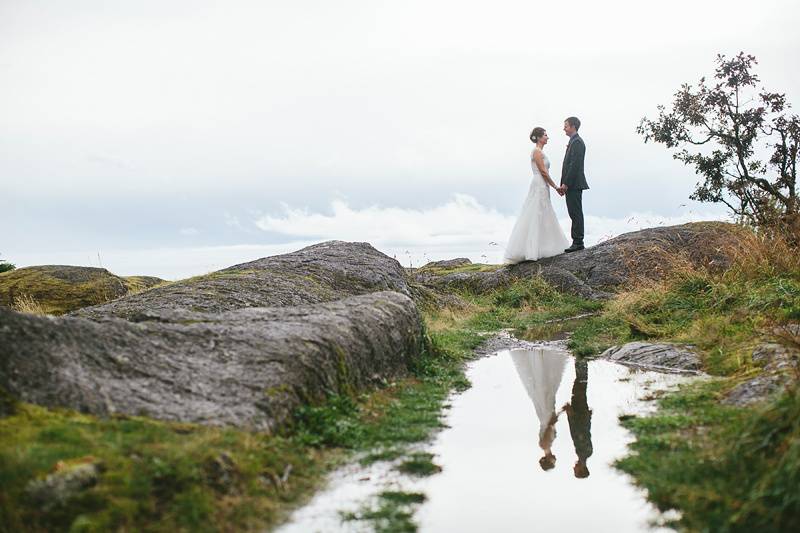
x: 579, y: 415
x: 573, y: 177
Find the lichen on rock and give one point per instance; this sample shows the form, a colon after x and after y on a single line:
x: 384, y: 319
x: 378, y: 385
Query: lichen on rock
x: 301, y: 326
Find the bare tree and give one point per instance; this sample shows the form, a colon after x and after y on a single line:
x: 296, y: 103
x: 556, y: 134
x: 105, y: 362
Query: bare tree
x: 740, y: 140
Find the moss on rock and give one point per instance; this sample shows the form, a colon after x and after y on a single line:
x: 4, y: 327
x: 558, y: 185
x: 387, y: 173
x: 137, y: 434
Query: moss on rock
x: 59, y: 289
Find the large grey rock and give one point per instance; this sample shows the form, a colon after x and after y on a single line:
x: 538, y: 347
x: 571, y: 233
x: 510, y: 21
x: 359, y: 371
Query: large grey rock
x: 648, y: 254
x: 599, y: 270
x: 243, y: 346
x: 247, y: 367
x: 321, y: 273
x: 473, y: 281
x: 660, y: 356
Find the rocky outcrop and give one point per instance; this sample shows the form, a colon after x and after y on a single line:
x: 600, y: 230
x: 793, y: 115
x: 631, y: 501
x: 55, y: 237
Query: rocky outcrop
x: 598, y: 271
x: 321, y: 273
x: 58, y: 289
x: 655, y: 356
x: 447, y: 263
x: 244, y: 346
x: 477, y: 281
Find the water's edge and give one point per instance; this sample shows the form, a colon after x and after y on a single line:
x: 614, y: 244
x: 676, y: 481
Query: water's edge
x: 536, y: 423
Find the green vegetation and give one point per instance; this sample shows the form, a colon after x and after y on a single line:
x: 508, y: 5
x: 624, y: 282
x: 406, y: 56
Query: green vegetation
x: 725, y: 468
x: 394, y: 512
x: 523, y: 306
x: 160, y: 476
x: 419, y: 464
x: 56, y: 290
x: 5, y: 266
x: 472, y: 267
x: 723, y: 313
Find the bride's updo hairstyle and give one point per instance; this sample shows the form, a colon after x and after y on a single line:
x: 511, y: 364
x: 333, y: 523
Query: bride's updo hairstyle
x: 536, y: 133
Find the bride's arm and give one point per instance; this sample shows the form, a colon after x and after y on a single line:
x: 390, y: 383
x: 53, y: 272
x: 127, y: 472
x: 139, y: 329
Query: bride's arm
x: 539, y: 160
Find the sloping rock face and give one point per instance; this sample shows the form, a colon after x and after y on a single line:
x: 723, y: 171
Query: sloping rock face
x: 598, y: 271
x: 321, y: 273
x: 59, y: 289
x: 656, y: 356
x: 204, y: 353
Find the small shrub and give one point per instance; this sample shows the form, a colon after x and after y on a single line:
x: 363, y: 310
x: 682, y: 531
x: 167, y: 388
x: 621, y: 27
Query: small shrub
x: 334, y: 423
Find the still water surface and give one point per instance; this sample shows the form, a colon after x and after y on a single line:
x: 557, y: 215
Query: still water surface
x: 529, y: 447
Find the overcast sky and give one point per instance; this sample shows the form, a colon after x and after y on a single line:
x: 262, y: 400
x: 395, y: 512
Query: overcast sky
x: 171, y: 137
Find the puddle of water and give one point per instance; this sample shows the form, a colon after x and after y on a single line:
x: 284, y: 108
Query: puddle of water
x: 529, y: 447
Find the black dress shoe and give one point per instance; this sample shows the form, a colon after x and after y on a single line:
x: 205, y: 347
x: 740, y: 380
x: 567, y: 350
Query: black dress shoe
x: 573, y: 248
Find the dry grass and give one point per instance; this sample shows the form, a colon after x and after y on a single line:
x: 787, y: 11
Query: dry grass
x: 449, y: 318
x: 725, y: 312
x: 26, y: 303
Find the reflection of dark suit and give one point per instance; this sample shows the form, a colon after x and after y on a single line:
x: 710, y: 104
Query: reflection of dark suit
x: 573, y: 177
x: 580, y: 416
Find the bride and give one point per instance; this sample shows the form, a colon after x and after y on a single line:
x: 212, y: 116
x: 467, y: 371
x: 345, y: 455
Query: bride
x: 537, y: 233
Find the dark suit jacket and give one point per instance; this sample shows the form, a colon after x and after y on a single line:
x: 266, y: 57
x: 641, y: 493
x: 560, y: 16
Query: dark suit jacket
x: 572, y: 171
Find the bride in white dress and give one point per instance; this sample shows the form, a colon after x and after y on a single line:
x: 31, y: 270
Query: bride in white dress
x: 537, y: 233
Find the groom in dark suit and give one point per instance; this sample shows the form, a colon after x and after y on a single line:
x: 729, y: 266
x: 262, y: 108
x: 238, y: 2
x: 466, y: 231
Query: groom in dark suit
x: 573, y: 181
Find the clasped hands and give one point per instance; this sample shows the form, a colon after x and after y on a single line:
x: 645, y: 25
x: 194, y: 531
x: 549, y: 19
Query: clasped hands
x: 561, y: 190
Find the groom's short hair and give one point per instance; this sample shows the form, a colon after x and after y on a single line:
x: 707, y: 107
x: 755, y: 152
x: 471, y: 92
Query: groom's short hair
x: 574, y: 122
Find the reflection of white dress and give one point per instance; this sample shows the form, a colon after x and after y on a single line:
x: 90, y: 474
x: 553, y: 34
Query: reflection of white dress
x: 540, y: 371
x: 537, y: 233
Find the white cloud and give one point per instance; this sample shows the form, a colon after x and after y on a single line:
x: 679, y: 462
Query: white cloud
x: 462, y: 220
x: 188, y: 232
x: 460, y: 227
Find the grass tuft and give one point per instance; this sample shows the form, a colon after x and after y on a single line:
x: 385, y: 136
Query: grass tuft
x: 26, y: 303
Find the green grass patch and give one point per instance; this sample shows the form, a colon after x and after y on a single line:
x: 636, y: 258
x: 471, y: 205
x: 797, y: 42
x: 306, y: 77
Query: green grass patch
x: 723, y: 315
x: 419, y: 464
x: 158, y: 476
x: 595, y: 334
x: 393, y: 512
x: 725, y: 468
x: 523, y: 305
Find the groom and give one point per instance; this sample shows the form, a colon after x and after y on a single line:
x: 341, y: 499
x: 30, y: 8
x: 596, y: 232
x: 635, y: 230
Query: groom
x: 573, y: 181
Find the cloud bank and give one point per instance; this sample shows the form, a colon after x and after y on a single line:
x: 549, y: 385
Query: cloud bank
x: 460, y: 227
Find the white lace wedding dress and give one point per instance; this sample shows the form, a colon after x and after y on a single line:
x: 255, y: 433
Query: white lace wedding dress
x: 537, y: 233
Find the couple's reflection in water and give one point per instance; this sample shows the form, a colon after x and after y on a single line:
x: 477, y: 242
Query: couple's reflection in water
x: 540, y: 371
